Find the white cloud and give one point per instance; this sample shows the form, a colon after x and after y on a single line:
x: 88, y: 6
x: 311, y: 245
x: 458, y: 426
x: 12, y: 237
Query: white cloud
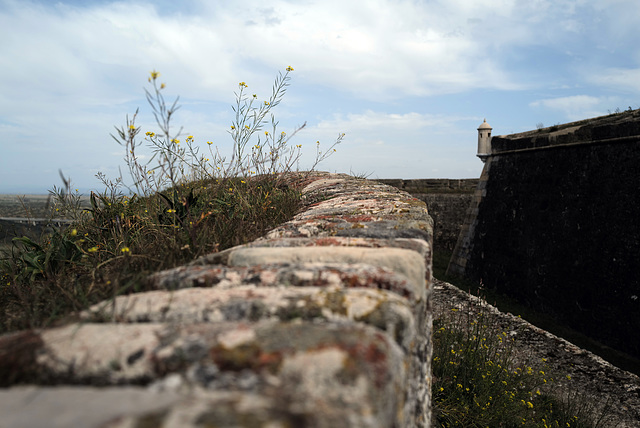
x: 577, y: 106
x: 399, y: 145
x: 373, y: 49
x: 622, y: 79
x: 372, y: 121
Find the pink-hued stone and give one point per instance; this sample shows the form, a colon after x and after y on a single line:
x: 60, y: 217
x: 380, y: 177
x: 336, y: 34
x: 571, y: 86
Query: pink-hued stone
x: 379, y: 308
x: 294, y: 274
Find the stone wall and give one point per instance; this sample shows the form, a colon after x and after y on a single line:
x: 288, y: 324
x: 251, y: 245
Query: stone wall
x: 324, y: 322
x: 448, y: 211
x: 433, y: 185
x: 448, y: 201
x: 554, y: 224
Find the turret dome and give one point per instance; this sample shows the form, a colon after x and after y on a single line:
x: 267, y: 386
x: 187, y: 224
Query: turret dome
x: 484, y: 125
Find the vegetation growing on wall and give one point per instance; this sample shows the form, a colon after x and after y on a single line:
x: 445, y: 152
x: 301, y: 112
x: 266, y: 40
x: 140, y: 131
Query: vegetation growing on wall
x: 185, y: 202
x: 479, y: 381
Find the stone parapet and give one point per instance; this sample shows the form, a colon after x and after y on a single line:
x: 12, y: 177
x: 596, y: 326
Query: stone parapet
x: 621, y: 127
x: 433, y: 185
x: 323, y: 322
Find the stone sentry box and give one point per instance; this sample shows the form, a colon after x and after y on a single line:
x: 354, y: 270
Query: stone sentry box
x: 323, y: 322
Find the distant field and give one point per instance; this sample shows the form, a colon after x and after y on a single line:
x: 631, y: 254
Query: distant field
x: 34, y: 206
x: 24, y: 207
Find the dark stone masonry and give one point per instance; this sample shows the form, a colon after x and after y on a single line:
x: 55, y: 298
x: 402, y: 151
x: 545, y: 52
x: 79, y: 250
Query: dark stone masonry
x: 447, y: 201
x: 555, y: 224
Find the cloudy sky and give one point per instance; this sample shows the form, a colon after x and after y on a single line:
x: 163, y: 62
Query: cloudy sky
x: 408, y: 81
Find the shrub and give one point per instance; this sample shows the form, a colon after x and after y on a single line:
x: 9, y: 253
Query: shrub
x: 182, y: 204
x: 480, y: 381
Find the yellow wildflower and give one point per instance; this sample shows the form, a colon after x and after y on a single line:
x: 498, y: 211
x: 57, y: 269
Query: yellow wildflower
x: 289, y: 68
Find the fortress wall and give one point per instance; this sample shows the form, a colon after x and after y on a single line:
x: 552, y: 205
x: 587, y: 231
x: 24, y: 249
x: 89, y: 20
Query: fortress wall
x: 448, y: 201
x: 555, y: 224
x: 448, y: 212
x: 433, y: 185
x: 324, y: 322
